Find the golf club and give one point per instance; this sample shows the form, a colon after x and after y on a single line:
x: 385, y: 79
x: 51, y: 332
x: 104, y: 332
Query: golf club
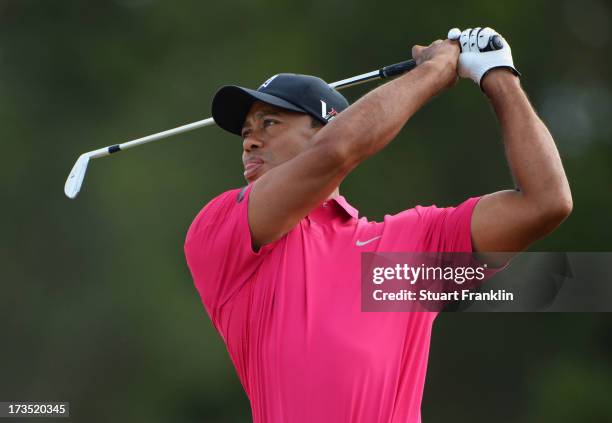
x: 77, y: 174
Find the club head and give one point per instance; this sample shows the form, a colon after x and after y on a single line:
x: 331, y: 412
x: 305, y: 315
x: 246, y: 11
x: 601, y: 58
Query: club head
x: 77, y: 174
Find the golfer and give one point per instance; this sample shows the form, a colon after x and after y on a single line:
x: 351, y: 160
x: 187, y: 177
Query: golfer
x: 277, y: 263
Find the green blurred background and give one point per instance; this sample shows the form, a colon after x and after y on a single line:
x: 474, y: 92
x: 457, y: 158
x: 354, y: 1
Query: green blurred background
x: 97, y: 305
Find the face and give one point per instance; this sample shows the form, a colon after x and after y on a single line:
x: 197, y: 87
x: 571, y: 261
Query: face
x: 272, y: 136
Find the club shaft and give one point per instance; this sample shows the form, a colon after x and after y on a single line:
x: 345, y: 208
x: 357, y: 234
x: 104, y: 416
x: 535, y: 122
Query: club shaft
x: 160, y: 135
x: 355, y: 80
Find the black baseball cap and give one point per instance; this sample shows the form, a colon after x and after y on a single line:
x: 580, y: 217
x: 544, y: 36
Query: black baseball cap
x: 291, y: 91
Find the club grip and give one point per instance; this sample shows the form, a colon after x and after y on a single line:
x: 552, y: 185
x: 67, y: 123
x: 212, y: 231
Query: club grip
x: 397, y: 69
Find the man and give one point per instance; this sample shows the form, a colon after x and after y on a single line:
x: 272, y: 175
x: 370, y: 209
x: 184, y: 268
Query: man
x: 277, y: 263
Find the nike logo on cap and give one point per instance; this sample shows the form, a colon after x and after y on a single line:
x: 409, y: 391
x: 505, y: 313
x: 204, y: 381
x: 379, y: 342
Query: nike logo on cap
x: 325, y: 114
x: 265, y: 84
x: 362, y: 243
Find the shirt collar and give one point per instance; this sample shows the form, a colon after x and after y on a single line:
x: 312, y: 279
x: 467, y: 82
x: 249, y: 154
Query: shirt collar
x: 350, y: 210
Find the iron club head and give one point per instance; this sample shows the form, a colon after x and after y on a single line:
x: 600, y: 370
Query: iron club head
x: 76, y: 177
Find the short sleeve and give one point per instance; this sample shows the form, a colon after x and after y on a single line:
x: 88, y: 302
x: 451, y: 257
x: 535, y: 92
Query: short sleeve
x: 447, y: 229
x: 219, y: 251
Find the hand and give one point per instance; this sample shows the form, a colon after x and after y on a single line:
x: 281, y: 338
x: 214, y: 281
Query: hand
x: 444, y: 53
x: 478, y: 56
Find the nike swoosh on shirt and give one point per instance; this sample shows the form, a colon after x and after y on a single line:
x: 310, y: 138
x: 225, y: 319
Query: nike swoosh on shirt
x: 361, y: 244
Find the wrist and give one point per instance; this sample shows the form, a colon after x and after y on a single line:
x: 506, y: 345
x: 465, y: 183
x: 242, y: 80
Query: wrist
x: 440, y: 71
x: 499, y: 80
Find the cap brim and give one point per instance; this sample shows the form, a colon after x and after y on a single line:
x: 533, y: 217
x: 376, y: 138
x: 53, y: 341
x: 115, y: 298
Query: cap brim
x: 231, y: 104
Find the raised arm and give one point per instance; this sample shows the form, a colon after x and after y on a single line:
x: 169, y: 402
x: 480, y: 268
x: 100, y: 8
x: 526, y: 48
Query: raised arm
x: 287, y: 192
x: 512, y: 220
x: 509, y: 221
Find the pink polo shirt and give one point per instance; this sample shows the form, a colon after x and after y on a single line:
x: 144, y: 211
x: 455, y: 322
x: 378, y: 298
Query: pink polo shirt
x: 290, y: 314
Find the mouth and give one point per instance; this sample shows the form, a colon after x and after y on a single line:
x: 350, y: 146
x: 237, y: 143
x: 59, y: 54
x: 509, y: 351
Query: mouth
x: 251, y: 166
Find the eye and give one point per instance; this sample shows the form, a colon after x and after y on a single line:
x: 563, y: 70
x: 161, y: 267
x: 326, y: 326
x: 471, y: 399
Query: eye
x: 246, y: 133
x: 269, y: 122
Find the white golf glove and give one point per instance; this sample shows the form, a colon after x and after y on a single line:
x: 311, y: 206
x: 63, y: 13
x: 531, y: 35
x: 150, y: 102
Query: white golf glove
x: 478, y: 53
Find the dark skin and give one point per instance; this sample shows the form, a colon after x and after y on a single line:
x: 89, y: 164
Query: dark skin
x: 283, y: 133
x: 302, y: 166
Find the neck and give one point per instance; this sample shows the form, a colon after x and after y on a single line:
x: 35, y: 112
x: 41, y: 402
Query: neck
x: 335, y: 193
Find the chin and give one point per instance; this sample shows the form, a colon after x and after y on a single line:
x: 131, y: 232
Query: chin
x: 254, y: 177
x: 258, y: 173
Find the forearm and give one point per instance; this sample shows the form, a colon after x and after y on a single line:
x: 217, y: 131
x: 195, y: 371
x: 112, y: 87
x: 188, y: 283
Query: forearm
x: 530, y: 149
x: 374, y: 120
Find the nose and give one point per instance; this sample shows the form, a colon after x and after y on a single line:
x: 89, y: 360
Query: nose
x: 250, y: 143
